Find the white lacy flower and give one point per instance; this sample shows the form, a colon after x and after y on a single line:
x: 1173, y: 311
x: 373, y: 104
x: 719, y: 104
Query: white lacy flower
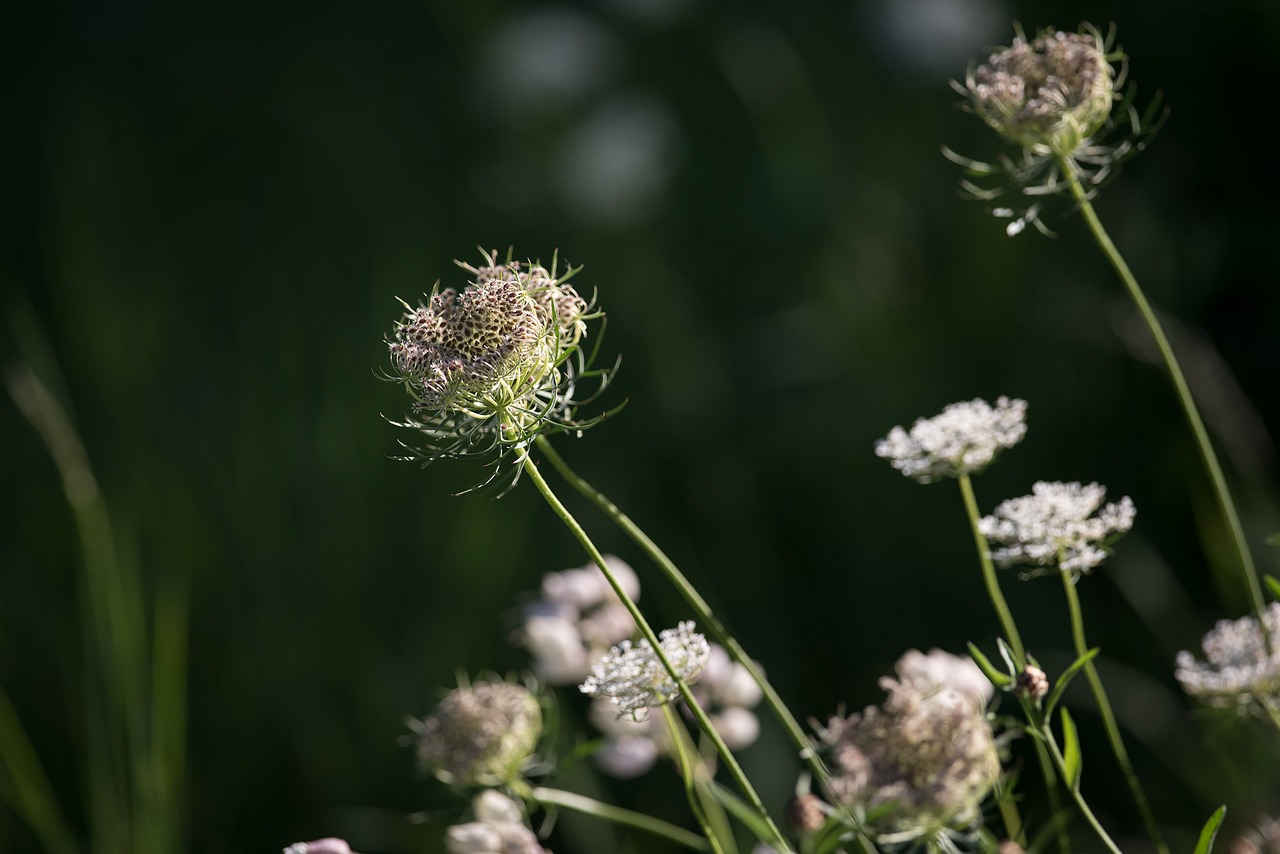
x: 632, y: 677
x: 1055, y: 526
x: 964, y: 438
x: 1237, y: 668
x: 328, y: 845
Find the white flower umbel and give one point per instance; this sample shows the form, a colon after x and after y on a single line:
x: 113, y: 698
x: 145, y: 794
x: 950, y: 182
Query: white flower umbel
x: 1238, y: 670
x: 632, y: 677
x: 481, y: 734
x: 941, y: 669
x: 963, y: 439
x: 1056, y: 526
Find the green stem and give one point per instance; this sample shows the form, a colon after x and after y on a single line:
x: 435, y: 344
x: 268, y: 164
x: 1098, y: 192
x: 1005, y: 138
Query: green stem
x: 989, y: 573
x: 699, y: 714
x: 715, y: 828
x: 1205, y: 447
x: 1108, y: 717
x: 697, y: 603
x: 628, y: 818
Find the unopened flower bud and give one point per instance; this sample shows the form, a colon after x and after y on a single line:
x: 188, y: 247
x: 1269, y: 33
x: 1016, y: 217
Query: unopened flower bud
x: 1032, y: 682
x: 805, y: 814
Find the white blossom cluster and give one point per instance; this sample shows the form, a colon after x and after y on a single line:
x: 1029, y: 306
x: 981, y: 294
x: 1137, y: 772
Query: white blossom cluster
x: 941, y: 669
x: 577, y: 620
x: 964, y: 438
x: 498, y: 828
x: 726, y: 690
x: 1056, y: 526
x: 328, y: 845
x: 1238, y: 669
x: 920, y: 765
x: 632, y: 678
x: 480, y: 734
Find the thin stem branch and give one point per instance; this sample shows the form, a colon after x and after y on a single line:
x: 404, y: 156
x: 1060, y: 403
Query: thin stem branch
x: 1046, y: 735
x: 989, y: 573
x: 1183, y: 391
x: 697, y: 603
x: 1108, y: 716
x: 627, y: 818
x: 699, y: 714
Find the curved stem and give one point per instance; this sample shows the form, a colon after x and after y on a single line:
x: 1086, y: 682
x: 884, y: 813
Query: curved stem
x: 699, y: 714
x: 989, y: 573
x: 697, y: 603
x: 589, y: 806
x: 1108, y: 717
x: 715, y: 828
x: 1205, y: 447
x: 1046, y: 734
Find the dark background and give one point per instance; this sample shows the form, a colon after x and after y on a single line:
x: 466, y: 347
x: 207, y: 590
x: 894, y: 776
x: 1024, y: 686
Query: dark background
x: 209, y: 209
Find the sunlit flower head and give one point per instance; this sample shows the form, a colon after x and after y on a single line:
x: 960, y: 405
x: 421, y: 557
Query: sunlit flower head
x: 1063, y: 525
x: 495, y: 365
x: 963, y: 439
x: 632, y: 677
x: 1238, y: 670
x: 916, y: 767
x: 1054, y: 96
x: 481, y: 734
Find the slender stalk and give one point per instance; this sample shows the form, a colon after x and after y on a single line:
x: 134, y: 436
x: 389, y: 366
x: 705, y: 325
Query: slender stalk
x: 715, y: 828
x: 1205, y: 447
x: 627, y: 818
x: 989, y: 573
x: 699, y: 714
x: 1108, y: 717
x: 697, y: 603
x: 1011, y: 632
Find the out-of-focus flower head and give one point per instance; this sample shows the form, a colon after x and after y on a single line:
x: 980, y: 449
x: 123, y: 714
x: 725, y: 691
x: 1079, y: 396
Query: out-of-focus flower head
x: 494, y: 366
x: 1056, y: 526
x: 576, y: 620
x: 917, y: 767
x: 963, y: 439
x: 499, y: 828
x: 328, y: 845
x: 481, y: 734
x: 1239, y: 671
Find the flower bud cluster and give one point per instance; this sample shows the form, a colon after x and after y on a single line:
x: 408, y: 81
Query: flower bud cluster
x: 492, y: 366
x: 921, y: 763
x: 1239, y: 670
x: 965, y: 438
x: 480, y: 734
x: 498, y: 828
x: 1056, y: 526
x: 1053, y: 92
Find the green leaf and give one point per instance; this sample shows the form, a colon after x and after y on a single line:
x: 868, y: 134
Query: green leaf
x: 1065, y: 679
x: 1274, y: 584
x: 999, y: 679
x: 1273, y: 540
x: 1210, y: 831
x: 1072, y: 761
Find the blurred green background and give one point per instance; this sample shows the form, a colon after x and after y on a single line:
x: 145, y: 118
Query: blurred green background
x: 209, y: 209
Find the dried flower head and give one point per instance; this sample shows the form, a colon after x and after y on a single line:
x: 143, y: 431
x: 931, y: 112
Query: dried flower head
x: 632, y: 677
x: 965, y: 438
x: 1053, y: 96
x: 1054, y: 91
x: 495, y: 365
x: 1056, y: 526
x: 918, y: 766
x: 480, y: 734
x: 1238, y: 671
